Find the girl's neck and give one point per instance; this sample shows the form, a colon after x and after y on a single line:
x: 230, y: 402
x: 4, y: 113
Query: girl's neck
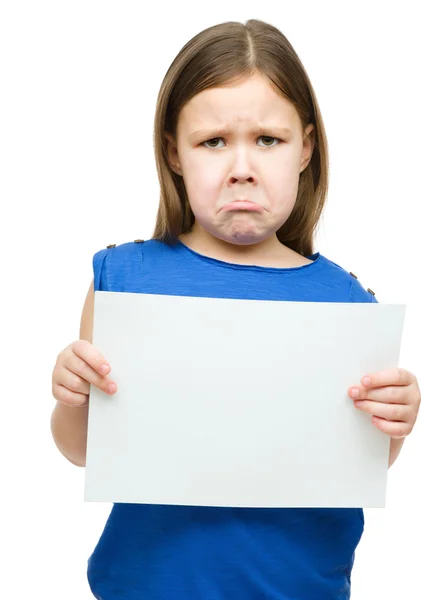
x: 270, y: 253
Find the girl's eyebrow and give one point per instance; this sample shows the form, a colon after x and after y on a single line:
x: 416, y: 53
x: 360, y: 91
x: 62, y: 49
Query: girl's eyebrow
x: 216, y: 132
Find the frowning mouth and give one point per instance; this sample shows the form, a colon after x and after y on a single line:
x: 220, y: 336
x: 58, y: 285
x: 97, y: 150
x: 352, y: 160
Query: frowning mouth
x: 242, y: 205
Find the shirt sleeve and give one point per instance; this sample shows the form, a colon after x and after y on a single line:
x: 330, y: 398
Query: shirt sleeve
x: 100, y: 270
x: 359, y: 294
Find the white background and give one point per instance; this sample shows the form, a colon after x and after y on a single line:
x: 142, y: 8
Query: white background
x: 79, y: 85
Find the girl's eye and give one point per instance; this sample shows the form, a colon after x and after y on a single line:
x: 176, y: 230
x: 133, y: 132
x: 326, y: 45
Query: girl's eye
x: 267, y: 137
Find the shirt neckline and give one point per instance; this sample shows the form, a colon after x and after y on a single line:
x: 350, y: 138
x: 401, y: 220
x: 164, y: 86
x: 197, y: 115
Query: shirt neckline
x: 196, y: 256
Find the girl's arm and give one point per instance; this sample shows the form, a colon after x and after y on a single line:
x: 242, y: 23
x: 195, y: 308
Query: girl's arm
x: 395, y: 447
x: 69, y: 425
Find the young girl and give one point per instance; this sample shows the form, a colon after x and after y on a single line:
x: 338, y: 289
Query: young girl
x: 242, y: 161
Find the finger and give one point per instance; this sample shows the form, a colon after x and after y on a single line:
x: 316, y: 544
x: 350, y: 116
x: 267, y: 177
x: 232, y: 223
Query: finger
x: 393, y: 428
x: 391, y: 412
x: 396, y: 376
x: 69, y: 398
x: 79, y: 367
x: 91, y: 356
x: 390, y: 394
x: 74, y: 382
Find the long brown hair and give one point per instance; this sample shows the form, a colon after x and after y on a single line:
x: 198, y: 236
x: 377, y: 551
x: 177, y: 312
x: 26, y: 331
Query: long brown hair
x: 224, y: 53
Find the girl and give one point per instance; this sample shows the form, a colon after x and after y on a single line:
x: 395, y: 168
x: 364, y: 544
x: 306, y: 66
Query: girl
x: 242, y: 162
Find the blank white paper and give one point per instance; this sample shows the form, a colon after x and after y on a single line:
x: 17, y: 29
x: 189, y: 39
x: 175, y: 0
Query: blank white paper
x: 239, y: 403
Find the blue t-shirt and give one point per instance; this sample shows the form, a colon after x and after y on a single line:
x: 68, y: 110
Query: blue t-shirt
x: 167, y: 552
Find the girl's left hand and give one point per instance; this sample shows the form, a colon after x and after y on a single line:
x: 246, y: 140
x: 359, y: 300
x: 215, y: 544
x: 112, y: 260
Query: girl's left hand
x: 393, y: 397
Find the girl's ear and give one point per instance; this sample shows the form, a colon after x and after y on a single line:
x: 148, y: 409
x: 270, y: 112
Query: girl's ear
x: 308, y: 146
x: 172, y: 153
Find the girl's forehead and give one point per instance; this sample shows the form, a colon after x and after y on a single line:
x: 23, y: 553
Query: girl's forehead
x: 250, y: 92
x: 223, y: 110
x: 248, y: 104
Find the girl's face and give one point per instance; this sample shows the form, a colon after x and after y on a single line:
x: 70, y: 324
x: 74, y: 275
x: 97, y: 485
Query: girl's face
x: 240, y: 142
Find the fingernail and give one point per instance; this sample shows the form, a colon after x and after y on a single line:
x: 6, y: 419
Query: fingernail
x: 104, y: 368
x: 354, y: 393
x: 112, y: 388
x: 366, y: 381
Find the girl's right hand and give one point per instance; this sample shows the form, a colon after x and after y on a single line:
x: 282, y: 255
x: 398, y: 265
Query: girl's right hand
x: 78, y: 366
